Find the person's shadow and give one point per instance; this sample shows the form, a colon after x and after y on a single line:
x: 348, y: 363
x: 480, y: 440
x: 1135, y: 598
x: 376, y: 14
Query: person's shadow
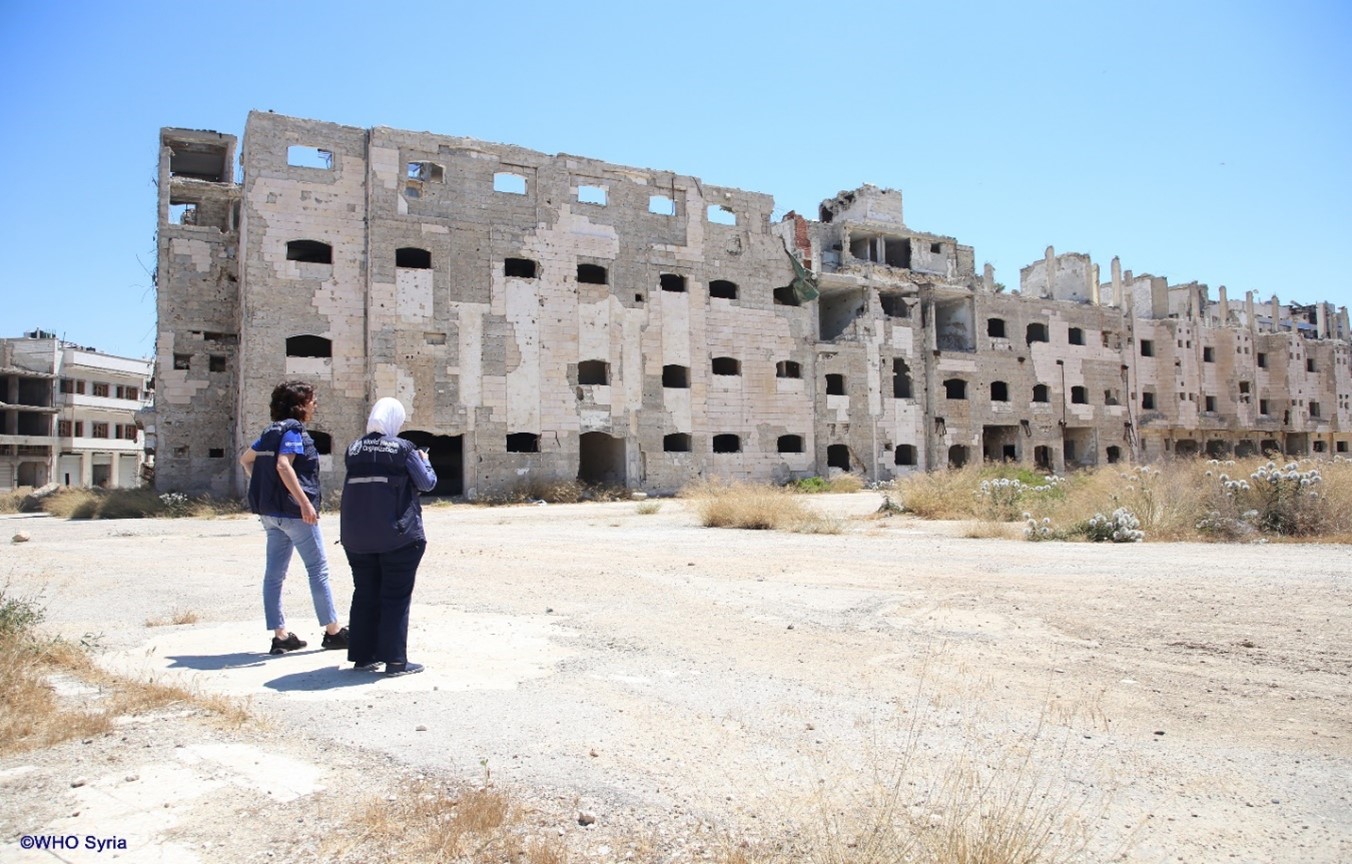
x: 328, y: 678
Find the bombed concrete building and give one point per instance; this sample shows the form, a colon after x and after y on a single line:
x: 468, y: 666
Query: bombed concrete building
x: 550, y: 318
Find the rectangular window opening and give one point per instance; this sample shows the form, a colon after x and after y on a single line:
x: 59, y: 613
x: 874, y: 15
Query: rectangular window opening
x: 592, y: 195
x: 509, y: 183
x: 302, y: 156
x: 717, y: 214
x: 661, y: 205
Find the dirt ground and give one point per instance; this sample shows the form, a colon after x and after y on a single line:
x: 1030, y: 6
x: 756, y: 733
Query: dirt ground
x: 684, y: 685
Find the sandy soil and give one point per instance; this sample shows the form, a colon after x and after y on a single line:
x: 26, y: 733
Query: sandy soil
x: 1178, y: 702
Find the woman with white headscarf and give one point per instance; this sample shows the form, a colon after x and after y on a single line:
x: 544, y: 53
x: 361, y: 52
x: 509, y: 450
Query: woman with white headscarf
x: 382, y: 534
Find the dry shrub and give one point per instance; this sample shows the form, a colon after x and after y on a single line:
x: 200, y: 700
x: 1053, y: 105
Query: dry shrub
x: 985, y: 529
x: 12, y: 501
x: 648, y: 508
x: 77, y: 502
x: 948, y: 494
x: 756, y: 507
x: 846, y: 483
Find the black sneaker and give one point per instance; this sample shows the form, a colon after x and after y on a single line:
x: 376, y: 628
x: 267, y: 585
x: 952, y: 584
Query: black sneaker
x: 292, y: 642
x: 333, y: 641
x: 373, y: 666
x: 396, y: 670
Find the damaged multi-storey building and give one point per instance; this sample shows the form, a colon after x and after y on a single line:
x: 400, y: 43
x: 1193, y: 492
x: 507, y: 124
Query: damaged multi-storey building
x: 547, y: 318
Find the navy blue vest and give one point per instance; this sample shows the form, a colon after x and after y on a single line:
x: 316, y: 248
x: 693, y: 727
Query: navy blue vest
x: 267, y: 494
x: 381, y: 510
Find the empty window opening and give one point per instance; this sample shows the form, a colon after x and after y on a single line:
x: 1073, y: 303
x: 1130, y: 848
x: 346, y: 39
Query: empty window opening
x: 727, y: 444
x: 726, y: 366
x: 323, y: 442
x: 308, y: 346
x: 601, y: 459
x: 999, y: 391
x: 215, y: 452
x: 790, y: 444
x: 995, y: 328
x: 425, y: 171
x: 197, y: 161
x: 182, y: 361
x: 1147, y: 348
x: 676, y: 377
x: 723, y: 289
x: 1320, y: 447
x: 1037, y: 333
x: 1340, y: 446
x: 1262, y: 360
x: 1208, y: 354
x: 673, y: 282
x: 309, y: 251
x: 182, y: 214
x: 1079, y: 395
x: 955, y: 388
x: 1210, y: 404
x: 523, y: 442
x: 717, y: 214
x: 413, y: 258
x: 661, y: 205
x: 838, y: 456
x: 893, y: 305
x: 904, y: 454
x: 937, y: 248
x: 786, y: 296
x: 592, y: 195
x: 901, y: 379
x: 1314, y: 409
x: 957, y: 456
x: 1076, y: 336
x: 1114, y: 454
x: 518, y: 268
x: 1041, y: 393
x: 1042, y: 457
x: 591, y: 274
x: 788, y: 369
x: 593, y: 372
x: 309, y: 157
x: 512, y: 184
x: 1309, y: 365
x: 215, y: 363
x: 447, y: 455
x: 1109, y: 397
x: 677, y: 442
x: 835, y: 385
x: 1147, y: 401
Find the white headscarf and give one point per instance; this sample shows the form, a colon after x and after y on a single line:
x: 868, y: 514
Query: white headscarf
x: 387, y: 416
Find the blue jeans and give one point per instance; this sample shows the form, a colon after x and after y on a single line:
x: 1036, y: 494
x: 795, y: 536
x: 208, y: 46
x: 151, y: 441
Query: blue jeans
x: 283, y: 536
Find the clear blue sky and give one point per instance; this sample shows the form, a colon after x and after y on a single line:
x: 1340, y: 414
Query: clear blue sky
x: 1207, y: 141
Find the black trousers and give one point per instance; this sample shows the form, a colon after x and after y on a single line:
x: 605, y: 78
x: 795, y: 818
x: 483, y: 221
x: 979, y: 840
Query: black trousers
x: 381, y: 594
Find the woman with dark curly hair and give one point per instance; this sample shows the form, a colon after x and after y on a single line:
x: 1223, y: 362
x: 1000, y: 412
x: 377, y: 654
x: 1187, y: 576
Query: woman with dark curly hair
x: 283, y: 470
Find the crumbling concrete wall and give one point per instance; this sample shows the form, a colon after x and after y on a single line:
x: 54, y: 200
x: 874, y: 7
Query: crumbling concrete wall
x: 551, y: 318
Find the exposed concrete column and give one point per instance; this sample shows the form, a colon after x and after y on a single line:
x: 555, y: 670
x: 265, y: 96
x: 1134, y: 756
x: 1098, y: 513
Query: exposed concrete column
x: 1343, y: 326
x: 1276, y: 315
x: 86, y: 469
x: 988, y: 278
x: 1224, y: 302
x: 1051, y: 270
x: 1094, y: 284
x: 1321, y: 321
x: 1117, y: 281
x: 113, y: 470
x: 1248, y: 312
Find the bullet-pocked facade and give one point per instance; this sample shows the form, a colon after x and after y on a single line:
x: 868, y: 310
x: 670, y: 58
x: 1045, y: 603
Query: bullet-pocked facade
x: 550, y: 318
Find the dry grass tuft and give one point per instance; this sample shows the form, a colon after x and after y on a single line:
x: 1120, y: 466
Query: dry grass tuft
x: 984, y: 529
x: 648, y: 508
x: 477, y: 825
x: 33, y: 715
x: 757, y: 508
x: 175, y: 617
